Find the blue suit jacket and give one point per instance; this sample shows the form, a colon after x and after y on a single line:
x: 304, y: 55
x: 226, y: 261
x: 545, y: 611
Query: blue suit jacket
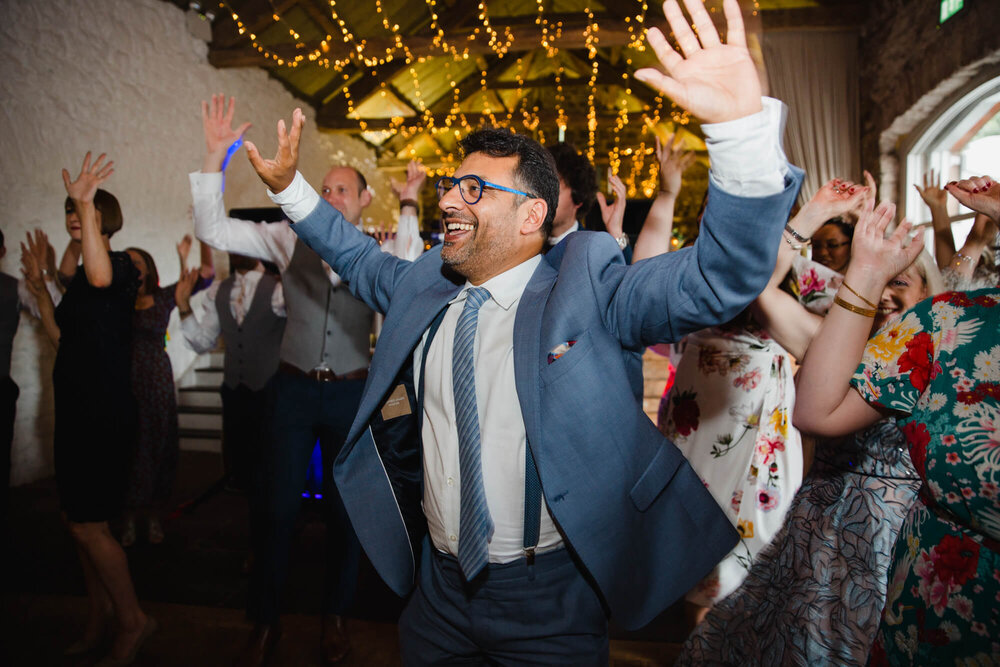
x: 632, y: 510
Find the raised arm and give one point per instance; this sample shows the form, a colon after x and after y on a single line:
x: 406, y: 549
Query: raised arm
x: 779, y: 313
x: 965, y: 260
x: 936, y: 199
x: 751, y: 189
x: 825, y: 404
x: 94, y: 246
x: 657, y: 230
x: 407, y: 243
x: 371, y: 274
x: 613, y: 214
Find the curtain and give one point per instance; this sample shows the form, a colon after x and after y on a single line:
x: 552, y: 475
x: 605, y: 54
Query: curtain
x: 815, y: 73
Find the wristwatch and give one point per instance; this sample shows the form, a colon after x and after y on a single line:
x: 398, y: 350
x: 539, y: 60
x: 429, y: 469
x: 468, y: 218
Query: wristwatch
x: 622, y: 241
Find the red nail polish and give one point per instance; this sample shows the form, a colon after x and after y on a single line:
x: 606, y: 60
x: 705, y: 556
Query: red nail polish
x: 851, y: 191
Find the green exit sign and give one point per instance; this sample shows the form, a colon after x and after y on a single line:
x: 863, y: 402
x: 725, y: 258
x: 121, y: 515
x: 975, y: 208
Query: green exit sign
x: 949, y: 8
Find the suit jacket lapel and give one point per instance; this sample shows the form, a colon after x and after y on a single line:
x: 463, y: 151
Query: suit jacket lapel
x: 527, y: 339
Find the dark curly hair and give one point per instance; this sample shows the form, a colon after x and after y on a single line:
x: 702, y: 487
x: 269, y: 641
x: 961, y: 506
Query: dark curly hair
x: 535, y: 172
x: 578, y: 174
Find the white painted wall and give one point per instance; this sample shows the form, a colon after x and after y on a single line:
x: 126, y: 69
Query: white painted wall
x: 125, y: 77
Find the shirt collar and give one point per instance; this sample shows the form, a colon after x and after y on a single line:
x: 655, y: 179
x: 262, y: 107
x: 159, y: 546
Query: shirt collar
x: 553, y: 240
x: 505, y: 289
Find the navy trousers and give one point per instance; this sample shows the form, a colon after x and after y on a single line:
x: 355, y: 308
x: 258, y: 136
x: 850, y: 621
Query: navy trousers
x: 513, y: 614
x: 302, y: 411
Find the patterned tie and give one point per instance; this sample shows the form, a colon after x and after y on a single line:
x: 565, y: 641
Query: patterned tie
x: 475, y: 525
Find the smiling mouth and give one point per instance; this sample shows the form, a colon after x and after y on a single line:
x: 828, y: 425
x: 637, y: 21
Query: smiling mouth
x: 455, y: 229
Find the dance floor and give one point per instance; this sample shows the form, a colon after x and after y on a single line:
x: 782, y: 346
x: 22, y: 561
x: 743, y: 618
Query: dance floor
x: 194, y: 585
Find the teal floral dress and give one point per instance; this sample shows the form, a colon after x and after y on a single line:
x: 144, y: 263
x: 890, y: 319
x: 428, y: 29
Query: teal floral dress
x: 938, y: 369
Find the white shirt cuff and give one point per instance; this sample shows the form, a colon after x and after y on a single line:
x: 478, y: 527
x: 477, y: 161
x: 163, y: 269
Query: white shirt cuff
x: 297, y: 200
x: 746, y: 155
x: 205, y: 184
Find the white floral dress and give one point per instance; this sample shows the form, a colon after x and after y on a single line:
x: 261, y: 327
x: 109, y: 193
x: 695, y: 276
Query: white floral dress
x: 729, y: 412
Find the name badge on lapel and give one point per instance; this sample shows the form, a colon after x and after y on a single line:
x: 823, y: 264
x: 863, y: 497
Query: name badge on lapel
x: 397, y: 405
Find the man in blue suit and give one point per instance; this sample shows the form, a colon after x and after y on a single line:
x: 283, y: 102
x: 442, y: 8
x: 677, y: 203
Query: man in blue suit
x: 476, y: 471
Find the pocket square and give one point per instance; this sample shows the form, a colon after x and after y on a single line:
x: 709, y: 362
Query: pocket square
x: 560, y: 349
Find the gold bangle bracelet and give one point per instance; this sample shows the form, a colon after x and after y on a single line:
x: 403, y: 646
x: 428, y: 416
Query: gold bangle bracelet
x: 854, y: 309
x: 855, y: 293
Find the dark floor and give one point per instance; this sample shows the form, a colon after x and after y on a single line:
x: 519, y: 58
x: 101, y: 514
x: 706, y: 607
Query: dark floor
x: 194, y: 585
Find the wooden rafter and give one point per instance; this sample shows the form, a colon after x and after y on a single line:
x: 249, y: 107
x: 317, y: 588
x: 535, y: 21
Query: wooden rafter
x: 375, y: 124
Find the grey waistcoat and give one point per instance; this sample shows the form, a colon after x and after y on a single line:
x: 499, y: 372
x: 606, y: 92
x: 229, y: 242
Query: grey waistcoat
x: 251, y: 349
x: 325, y: 324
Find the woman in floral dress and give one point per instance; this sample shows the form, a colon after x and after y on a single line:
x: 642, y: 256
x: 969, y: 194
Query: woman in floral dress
x: 154, y: 462
x: 815, y: 594
x: 729, y: 411
x: 937, y: 371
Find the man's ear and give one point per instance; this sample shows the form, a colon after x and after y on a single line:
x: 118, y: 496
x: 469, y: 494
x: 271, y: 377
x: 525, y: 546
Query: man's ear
x: 535, y: 218
x: 365, y: 198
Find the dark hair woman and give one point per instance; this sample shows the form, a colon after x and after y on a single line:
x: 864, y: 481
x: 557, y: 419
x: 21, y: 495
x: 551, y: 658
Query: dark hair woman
x: 94, y: 408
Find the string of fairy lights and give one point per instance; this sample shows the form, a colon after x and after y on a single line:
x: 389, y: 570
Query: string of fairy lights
x: 369, y: 55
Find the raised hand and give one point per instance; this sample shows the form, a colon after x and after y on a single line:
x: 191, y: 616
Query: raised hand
x: 278, y: 173
x: 874, y: 253
x: 932, y: 193
x: 183, y: 290
x: 714, y: 81
x: 382, y: 234
x: 673, y: 161
x: 31, y: 269
x: 836, y: 198
x: 416, y: 174
x: 184, y: 249
x: 42, y: 251
x: 217, y: 122
x: 613, y: 214
x: 981, y: 194
x: 90, y: 178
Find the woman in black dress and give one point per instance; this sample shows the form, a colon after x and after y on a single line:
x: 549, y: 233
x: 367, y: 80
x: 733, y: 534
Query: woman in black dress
x: 94, y: 407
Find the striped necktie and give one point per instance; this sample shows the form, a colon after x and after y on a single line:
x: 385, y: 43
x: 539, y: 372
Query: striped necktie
x: 475, y: 524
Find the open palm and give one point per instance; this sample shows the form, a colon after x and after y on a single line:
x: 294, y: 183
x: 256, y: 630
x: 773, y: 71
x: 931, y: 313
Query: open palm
x: 90, y: 178
x: 714, y: 81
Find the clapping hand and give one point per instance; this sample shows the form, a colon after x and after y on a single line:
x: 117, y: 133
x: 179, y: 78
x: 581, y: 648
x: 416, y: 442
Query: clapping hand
x: 31, y: 268
x: 184, y: 288
x: 714, y: 81
x: 613, y: 214
x: 981, y: 194
x: 416, y: 174
x: 90, y: 178
x: 874, y: 253
x: 184, y: 249
x: 382, y: 234
x: 278, y: 173
x: 673, y: 161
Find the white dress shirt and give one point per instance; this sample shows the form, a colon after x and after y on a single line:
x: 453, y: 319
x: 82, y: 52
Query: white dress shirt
x: 747, y: 160
x: 501, y: 426
x: 553, y: 240
x: 202, y: 333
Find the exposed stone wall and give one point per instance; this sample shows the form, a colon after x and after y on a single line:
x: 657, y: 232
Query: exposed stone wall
x: 906, y: 54
x: 126, y: 77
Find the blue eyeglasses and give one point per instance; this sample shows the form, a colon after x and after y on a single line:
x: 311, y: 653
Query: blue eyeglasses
x: 471, y: 188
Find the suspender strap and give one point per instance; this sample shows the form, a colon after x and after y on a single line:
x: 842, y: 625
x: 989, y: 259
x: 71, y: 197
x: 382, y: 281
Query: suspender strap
x: 532, y: 503
x: 431, y: 331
